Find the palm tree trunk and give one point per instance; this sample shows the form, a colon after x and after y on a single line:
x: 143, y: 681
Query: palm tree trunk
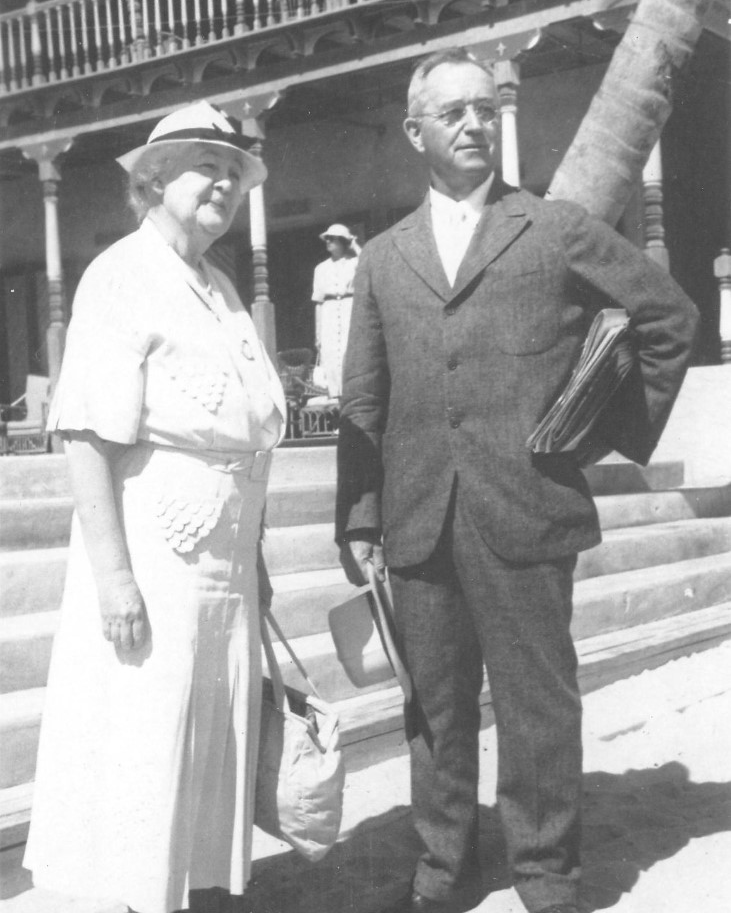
x: 626, y: 116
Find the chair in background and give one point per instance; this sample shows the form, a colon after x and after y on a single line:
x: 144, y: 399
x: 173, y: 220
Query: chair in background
x: 23, y: 422
x: 295, y: 367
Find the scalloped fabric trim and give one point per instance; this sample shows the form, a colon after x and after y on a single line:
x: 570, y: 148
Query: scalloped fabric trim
x: 185, y: 523
x: 196, y: 378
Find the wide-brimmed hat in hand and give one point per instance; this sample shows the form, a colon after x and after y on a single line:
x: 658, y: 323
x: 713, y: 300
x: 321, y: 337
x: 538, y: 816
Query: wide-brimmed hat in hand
x: 201, y: 123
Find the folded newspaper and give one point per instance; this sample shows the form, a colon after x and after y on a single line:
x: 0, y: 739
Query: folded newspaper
x: 605, y: 361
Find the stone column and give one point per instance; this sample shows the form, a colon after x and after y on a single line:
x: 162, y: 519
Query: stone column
x: 653, y: 200
x: 46, y: 155
x: 722, y: 272
x: 507, y: 79
x: 262, y: 309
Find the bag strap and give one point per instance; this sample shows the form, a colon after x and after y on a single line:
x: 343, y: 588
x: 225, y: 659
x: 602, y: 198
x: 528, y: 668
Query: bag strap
x: 383, y: 599
x: 274, y: 670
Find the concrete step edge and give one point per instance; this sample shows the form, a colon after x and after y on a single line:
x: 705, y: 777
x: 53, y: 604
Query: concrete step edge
x: 646, y: 577
x: 601, y: 659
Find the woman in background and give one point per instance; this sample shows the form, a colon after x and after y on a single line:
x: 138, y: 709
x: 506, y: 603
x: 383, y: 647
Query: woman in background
x: 169, y: 408
x: 332, y: 293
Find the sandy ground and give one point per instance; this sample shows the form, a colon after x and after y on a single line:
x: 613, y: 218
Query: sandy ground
x: 657, y: 813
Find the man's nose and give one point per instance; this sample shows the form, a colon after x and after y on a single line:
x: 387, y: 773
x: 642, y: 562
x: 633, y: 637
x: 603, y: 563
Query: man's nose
x: 471, y: 120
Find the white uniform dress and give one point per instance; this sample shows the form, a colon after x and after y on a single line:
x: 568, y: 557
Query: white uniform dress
x: 332, y: 290
x: 147, y: 760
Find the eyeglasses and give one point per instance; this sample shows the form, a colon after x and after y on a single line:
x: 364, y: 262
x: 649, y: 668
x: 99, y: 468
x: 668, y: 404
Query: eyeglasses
x: 484, y: 112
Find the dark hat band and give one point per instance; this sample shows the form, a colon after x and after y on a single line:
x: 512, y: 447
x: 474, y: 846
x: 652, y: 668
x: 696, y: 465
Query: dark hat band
x: 207, y: 134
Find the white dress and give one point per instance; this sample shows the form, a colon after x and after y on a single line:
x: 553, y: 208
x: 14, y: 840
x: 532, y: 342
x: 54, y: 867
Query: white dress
x: 332, y: 291
x: 147, y: 760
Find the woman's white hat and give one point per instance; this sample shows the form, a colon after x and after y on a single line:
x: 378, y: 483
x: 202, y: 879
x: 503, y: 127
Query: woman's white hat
x: 338, y: 231
x: 201, y: 123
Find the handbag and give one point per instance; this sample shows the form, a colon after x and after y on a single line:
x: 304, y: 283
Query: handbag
x: 365, y: 636
x: 300, y: 774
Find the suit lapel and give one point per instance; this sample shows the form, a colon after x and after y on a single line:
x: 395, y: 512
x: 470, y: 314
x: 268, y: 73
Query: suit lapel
x: 502, y: 220
x: 414, y: 239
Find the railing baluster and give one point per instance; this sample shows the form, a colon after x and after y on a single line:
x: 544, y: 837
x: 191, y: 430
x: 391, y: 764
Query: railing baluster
x: 63, y: 72
x: 184, y: 24
x: 51, y: 45
x: 101, y: 63
x: 205, y: 17
x: 86, y: 67
x: 146, y: 28
x: 257, y: 15
x: 11, y: 56
x: 197, y: 38
x: 171, y: 41
x: 158, y: 28
x: 227, y: 28
x: 24, y: 78
x: 76, y: 63
x: 124, y: 53
x: 109, y: 36
x: 36, y: 49
x: 241, y: 27
x: 3, y: 79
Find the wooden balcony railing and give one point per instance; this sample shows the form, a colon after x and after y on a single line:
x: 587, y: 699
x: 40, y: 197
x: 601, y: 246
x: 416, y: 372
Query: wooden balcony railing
x: 46, y: 42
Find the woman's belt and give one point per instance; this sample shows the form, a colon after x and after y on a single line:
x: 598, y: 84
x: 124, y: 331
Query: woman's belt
x: 332, y: 297
x: 254, y: 465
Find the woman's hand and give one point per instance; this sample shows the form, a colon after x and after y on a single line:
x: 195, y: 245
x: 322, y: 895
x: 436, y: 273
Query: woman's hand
x: 124, y: 618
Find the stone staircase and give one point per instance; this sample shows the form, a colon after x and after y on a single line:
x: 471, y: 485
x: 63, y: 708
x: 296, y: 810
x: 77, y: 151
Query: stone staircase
x: 659, y: 585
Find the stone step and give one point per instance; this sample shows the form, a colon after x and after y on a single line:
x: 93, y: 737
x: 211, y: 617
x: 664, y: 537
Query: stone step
x: 602, y: 605
x: 45, y: 476
x: 628, y: 548
x: 44, y: 522
x: 32, y: 580
x: 643, y: 509
x: 301, y: 604
x: 372, y: 723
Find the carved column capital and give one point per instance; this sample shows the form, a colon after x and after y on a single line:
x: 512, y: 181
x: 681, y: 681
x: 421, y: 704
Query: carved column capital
x: 45, y: 155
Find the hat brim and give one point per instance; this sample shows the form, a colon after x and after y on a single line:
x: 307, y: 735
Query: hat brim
x: 329, y: 236
x: 255, y: 171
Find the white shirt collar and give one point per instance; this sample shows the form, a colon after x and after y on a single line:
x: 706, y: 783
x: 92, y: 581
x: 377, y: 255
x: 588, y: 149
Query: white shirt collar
x: 445, y: 206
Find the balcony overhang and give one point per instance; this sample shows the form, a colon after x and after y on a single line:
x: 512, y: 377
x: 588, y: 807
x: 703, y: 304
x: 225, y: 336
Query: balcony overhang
x: 254, y: 65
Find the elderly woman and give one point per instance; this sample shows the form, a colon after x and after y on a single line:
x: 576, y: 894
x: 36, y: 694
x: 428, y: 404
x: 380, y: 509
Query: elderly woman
x: 332, y: 294
x: 169, y: 408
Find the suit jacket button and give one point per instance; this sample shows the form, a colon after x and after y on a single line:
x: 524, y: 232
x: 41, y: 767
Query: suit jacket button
x: 449, y: 311
x: 452, y: 364
x: 455, y: 421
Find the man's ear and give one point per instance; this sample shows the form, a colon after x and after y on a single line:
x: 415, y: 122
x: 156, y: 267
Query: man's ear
x: 157, y: 188
x: 412, y: 129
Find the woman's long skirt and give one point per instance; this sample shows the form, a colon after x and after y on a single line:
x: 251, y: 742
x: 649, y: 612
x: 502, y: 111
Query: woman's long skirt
x: 147, y: 760
x: 334, y: 329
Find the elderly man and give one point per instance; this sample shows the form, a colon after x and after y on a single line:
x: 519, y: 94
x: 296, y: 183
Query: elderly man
x: 468, y: 318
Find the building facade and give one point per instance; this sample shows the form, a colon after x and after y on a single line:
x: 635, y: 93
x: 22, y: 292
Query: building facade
x: 324, y: 84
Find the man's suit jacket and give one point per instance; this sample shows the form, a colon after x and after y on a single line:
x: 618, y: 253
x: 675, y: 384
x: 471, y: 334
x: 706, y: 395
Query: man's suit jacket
x: 442, y: 381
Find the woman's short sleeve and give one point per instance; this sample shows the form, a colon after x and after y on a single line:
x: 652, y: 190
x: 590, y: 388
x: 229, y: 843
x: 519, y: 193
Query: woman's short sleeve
x: 318, y: 283
x: 101, y: 386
